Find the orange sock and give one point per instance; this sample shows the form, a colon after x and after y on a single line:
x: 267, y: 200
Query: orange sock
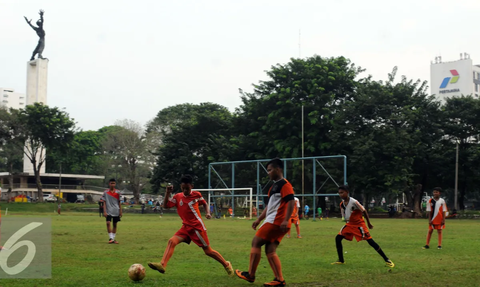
x: 172, y: 242
x: 429, y: 235
x: 215, y: 255
x: 255, y: 255
x: 276, y: 265
x: 440, y: 236
x: 298, y: 229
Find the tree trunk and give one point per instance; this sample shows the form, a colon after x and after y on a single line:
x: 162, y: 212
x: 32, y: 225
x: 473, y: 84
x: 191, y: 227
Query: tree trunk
x: 36, y: 171
x: 417, y: 201
x: 10, y: 182
x: 461, y: 196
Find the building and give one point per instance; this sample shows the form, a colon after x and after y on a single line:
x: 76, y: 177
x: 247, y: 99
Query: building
x: 455, y: 78
x: 10, y: 99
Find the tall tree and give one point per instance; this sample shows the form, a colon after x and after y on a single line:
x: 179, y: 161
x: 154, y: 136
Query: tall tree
x: 39, y: 127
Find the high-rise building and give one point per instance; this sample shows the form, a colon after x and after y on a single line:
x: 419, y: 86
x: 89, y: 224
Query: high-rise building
x: 10, y: 99
x: 454, y: 78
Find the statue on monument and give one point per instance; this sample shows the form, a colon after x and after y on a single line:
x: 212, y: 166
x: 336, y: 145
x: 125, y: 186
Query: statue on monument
x: 41, y: 34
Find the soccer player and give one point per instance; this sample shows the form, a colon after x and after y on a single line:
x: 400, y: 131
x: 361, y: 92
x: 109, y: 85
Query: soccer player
x: 319, y: 213
x: 277, y: 222
x: 193, y: 228
x: 111, y: 209
x: 352, y: 211
x: 294, y: 218
x: 307, y: 209
x: 437, y: 208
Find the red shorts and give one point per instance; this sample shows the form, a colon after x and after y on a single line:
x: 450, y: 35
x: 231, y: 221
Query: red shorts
x: 190, y: 234
x: 436, y: 226
x: 359, y: 231
x: 271, y: 232
x: 295, y: 220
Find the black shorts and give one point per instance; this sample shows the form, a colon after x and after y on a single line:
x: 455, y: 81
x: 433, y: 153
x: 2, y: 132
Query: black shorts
x: 115, y: 219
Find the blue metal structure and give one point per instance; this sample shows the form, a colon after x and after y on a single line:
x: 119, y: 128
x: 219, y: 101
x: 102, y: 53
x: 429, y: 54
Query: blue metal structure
x: 314, y: 159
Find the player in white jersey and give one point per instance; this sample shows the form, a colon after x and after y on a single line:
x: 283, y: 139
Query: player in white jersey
x: 436, y: 208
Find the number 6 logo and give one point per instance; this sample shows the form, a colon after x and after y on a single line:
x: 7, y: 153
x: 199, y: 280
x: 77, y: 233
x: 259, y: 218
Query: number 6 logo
x: 11, y: 245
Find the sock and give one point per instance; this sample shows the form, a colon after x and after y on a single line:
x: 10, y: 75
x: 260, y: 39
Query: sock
x: 440, y: 235
x: 429, y: 235
x: 110, y: 235
x: 255, y: 255
x: 113, y: 236
x: 338, y: 241
x: 215, y: 255
x: 298, y: 229
x: 276, y: 265
x: 172, y: 242
x: 377, y: 248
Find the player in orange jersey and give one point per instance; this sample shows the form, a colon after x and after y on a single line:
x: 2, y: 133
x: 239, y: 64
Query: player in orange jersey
x: 277, y: 222
x: 193, y: 228
x: 295, y: 219
x: 352, y: 211
x: 437, y: 208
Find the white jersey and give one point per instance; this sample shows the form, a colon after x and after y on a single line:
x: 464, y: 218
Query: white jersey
x: 438, y: 207
x: 352, y: 211
x: 297, y: 202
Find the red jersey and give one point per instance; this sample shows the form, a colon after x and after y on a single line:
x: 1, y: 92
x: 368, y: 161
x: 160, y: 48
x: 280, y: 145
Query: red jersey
x: 187, y: 208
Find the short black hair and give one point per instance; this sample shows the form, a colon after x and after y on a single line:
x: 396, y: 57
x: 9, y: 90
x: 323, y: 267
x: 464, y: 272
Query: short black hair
x: 276, y: 163
x: 186, y: 178
x: 112, y: 180
x: 439, y: 189
x: 344, y: 187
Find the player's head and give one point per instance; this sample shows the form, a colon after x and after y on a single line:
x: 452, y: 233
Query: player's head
x: 275, y: 169
x: 112, y: 182
x: 186, y: 183
x: 437, y: 191
x: 343, y: 191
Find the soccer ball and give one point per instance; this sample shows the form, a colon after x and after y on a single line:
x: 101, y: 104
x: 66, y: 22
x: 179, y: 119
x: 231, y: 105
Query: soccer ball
x: 136, y: 272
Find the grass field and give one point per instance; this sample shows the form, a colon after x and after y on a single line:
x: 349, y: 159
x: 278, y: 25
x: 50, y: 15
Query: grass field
x: 82, y: 257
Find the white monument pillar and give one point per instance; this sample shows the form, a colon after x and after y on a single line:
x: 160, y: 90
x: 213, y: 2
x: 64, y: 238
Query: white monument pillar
x: 37, y: 76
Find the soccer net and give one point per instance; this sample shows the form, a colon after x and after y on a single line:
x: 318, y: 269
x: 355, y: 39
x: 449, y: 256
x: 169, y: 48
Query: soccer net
x: 233, y: 202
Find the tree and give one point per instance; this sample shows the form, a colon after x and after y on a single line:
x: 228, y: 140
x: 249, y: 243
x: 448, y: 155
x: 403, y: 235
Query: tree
x: 126, y: 146
x: 39, y: 127
x: 191, y: 136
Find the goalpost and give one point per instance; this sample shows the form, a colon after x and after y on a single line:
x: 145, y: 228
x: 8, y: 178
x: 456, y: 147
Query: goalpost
x: 230, y: 197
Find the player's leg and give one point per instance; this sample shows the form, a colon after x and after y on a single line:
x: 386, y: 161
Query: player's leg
x: 380, y: 251
x: 255, y: 256
x: 114, y: 229
x: 429, y: 236
x: 217, y: 256
x: 109, y: 230
x: 440, y: 236
x: 172, y: 242
x: 275, y: 264
x: 338, y: 243
x: 297, y: 226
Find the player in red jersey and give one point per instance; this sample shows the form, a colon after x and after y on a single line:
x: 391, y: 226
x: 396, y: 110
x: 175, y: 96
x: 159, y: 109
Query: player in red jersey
x: 193, y: 228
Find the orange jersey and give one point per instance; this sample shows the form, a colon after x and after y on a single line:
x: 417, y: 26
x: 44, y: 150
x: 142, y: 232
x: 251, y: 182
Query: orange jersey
x: 352, y: 212
x: 279, y: 195
x: 438, y: 207
x: 187, y: 208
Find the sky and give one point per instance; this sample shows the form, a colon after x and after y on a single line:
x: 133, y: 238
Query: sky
x: 112, y: 60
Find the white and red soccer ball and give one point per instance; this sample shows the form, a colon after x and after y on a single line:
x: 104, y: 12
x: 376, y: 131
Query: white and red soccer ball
x: 136, y: 272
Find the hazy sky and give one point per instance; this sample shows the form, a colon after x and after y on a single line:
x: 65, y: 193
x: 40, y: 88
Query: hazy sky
x: 121, y: 59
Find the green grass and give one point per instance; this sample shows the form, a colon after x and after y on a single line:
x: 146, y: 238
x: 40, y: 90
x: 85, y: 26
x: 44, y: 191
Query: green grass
x: 81, y: 256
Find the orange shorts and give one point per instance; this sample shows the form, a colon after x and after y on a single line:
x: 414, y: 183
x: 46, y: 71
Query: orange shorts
x: 359, y: 231
x: 295, y: 220
x: 190, y: 234
x: 436, y: 226
x: 271, y: 232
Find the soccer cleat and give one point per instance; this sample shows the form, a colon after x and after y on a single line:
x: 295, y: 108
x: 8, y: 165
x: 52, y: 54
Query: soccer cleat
x: 115, y: 241
x: 426, y: 247
x: 157, y: 266
x: 389, y: 263
x: 439, y: 247
x: 110, y: 241
x: 299, y: 236
x: 337, y: 263
x: 275, y: 282
x: 245, y: 276
x: 229, y: 269
x: 288, y: 236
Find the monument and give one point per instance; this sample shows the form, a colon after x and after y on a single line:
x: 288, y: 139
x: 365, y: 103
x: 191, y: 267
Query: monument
x: 37, y: 76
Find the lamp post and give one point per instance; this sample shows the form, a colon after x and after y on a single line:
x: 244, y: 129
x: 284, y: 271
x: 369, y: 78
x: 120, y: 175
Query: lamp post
x: 456, y: 178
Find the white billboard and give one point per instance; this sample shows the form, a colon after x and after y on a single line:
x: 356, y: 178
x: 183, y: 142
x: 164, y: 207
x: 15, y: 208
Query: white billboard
x: 451, y: 78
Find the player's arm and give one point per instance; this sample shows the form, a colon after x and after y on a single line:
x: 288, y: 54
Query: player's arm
x: 120, y: 208
x: 166, y: 200
x: 367, y: 218
x: 260, y: 218
x: 444, y: 213
x: 207, y: 210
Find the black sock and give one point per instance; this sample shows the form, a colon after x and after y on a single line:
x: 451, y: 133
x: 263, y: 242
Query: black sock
x: 338, y: 241
x: 377, y: 248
